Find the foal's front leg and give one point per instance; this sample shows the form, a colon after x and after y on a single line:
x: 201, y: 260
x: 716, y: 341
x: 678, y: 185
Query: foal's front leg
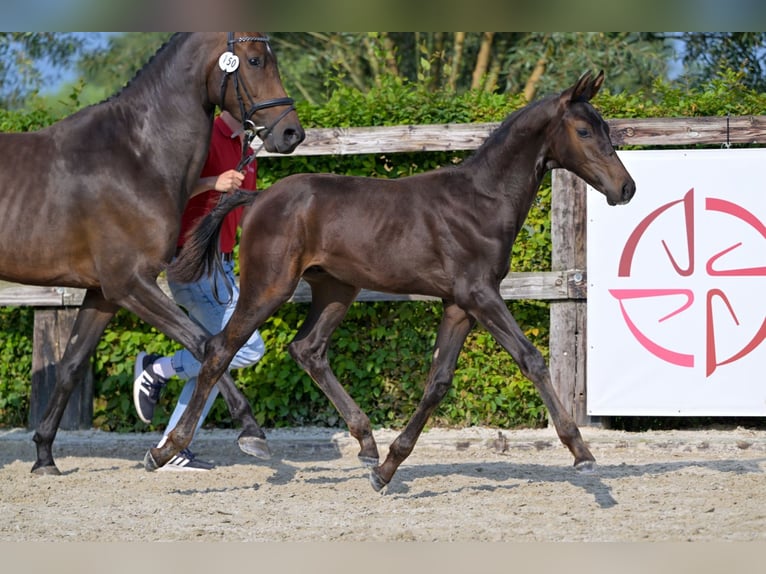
x: 454, y: 328
x: 494, y: 315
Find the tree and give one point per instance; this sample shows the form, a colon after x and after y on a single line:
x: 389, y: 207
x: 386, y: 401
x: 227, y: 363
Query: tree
x: 503, y: 62
x: 21, y: 54
x: 115, y: 64
x: 706, y: 54
x: 313, y: 63
x: 540, y: 63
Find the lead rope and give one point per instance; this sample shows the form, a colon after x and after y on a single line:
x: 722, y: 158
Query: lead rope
x: 229, y: 63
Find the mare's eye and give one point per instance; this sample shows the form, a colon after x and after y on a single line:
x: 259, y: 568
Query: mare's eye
x: 256, y: 62
x: 583, y: 133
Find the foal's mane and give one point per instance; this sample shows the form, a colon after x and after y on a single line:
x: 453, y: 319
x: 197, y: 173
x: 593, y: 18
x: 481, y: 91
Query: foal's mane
x: 514, y: 120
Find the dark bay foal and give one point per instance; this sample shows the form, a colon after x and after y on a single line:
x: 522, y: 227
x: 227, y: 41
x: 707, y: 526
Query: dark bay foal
x: 447, y: 233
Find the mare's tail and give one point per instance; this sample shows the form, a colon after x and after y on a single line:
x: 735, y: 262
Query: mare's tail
x: 200, y: 253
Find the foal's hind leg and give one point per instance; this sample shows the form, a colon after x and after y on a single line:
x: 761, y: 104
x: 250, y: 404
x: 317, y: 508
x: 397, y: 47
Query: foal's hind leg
x: 330, y: 300
x: 454, y: 328
x: 147, y: 300
x: 249, y: 314
x: 494, y: 315
x: 217, y: 359
x: 92, y: 318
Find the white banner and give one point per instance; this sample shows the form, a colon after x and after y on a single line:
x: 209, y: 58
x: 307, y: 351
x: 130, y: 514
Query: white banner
x: 677, y: 287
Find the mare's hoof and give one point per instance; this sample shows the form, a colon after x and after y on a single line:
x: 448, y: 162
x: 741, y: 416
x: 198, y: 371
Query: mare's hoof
x: 369, y: 461
x: 51, y: 470
x: 149, y: 463
x: 586, y: 466
x: 376, y: 481
x: 254, y: 446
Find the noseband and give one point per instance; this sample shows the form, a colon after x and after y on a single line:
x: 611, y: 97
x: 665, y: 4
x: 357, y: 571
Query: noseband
x: 248, y: 126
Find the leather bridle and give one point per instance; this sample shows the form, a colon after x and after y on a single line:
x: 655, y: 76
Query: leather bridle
x: 249, y: 128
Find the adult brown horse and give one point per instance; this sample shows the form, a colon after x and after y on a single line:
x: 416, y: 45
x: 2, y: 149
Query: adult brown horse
x: 447, y: 233
x: 95, y: 200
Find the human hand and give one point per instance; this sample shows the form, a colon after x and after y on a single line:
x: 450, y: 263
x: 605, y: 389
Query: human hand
x: 229, y: 181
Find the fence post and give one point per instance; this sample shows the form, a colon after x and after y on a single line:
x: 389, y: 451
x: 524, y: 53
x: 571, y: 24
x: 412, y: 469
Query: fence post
x: 568, y: 340
x: 52, y: 328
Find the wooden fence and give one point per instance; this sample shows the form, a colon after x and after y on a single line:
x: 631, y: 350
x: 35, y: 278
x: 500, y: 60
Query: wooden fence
x: 565, y: 286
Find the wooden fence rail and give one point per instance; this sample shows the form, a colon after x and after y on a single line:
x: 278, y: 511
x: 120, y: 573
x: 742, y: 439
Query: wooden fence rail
x: 564, y: 285
x: 455, y: 137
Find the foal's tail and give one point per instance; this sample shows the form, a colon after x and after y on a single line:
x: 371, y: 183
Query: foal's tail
x: 200, y: 254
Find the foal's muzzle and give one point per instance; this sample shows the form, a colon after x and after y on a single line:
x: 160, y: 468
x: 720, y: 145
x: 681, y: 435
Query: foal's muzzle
x: 627, y: 192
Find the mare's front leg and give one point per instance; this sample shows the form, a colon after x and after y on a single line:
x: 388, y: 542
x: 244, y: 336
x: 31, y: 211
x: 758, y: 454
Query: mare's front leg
x: 494, y: 315
x: 217, y: 359
x: 147, y: 300
x: 249, y: 314
x: 454, y: 328
x: 330, y: 300
x: 252, y: 439
x: 92, y: 318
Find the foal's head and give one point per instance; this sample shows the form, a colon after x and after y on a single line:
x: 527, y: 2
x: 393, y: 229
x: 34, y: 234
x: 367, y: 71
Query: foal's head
x: 579, y: 142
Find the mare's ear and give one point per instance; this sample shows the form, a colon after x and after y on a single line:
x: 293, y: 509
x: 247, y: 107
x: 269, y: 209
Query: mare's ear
x: 584, y: 89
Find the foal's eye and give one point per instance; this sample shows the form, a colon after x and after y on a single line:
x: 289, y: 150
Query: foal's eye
x: 256, y: 62
x: 583, y: 133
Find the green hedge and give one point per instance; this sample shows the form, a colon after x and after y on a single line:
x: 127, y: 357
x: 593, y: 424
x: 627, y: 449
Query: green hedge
x: 381, y: 351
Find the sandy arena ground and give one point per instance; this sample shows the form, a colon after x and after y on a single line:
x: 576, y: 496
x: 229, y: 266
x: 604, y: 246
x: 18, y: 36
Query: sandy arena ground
x: 458, y: 485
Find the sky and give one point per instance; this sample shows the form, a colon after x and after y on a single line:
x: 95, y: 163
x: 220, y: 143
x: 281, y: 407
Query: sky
x: 56, y: 76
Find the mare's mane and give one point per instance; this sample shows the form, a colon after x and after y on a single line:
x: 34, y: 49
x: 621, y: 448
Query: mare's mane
x: 170, y: 45
x: 166, y: 50
x: 174, y: 41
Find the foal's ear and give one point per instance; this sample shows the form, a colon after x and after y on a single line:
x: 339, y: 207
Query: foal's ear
x: 585, y: 88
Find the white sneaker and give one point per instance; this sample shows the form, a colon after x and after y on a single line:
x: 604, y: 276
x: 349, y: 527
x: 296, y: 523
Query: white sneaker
x: 186, y: 461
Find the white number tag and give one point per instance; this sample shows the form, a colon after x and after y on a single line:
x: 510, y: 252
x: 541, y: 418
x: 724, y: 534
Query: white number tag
x: 228, y: 62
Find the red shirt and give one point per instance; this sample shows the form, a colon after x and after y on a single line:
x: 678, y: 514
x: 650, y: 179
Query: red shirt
x: 224, y: 154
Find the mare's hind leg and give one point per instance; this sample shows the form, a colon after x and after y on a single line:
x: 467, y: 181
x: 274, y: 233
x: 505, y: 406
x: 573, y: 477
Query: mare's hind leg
x: 454, y: 328
x: 494, y: 315
x: 92, y: 318
x: 146, y: 299
x: 330, y: 300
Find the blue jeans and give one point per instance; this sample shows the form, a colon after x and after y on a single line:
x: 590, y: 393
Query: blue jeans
x: 200, y: 303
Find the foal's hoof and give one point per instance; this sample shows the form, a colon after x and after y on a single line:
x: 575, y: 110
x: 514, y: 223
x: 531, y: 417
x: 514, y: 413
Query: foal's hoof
x: 586, y: 466
x: 254, y: 446
x: 377, y: 481
x: 369, y: 461
x: 149, y: 463
x: 51, y: 470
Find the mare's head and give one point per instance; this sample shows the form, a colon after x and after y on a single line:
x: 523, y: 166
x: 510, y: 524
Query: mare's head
x: 245, y: 81
x: 578, y: 140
